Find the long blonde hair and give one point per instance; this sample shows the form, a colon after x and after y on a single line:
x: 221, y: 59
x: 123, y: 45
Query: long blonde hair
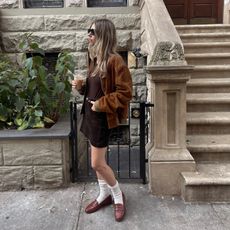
x: 105, y: 45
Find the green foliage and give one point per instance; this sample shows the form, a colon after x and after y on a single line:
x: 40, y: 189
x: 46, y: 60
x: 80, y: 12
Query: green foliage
x: 30, y: 97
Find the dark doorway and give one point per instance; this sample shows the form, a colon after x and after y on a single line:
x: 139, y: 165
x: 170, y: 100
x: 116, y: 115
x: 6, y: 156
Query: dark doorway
x: 195, y: 11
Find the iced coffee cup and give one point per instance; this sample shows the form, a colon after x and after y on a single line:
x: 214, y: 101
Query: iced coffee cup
x: 78, y: 81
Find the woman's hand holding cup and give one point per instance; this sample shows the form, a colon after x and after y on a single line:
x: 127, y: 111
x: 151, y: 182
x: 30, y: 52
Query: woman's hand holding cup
x: 78, y: 81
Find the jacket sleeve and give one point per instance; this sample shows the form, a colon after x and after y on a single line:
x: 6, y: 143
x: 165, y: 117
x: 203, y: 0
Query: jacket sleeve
x: 123, y: 87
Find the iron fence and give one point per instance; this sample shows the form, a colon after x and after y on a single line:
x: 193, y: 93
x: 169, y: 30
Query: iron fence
x: 125, y: 156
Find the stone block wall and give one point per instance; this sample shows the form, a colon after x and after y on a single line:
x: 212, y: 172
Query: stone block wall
x: 66, y: 32
x: 59, y: 32
x: 44, y: 163
x: 56, y: 32
x: 34, y: 163
x: 9, y: 4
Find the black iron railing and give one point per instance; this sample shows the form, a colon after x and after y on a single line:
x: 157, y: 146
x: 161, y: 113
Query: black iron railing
x: 144, y: 126
x: 126, y: 157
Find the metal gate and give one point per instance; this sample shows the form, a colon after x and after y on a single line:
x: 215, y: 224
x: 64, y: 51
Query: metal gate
x: 125, y: 154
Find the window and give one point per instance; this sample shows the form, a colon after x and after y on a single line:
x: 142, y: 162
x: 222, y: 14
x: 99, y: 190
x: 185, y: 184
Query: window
x: 106, y: 3
x: 49, y: 60
x: 43, y: 3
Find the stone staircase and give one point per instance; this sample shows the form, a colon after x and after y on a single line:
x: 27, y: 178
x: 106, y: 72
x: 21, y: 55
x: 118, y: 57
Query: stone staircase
x: 207, y: 47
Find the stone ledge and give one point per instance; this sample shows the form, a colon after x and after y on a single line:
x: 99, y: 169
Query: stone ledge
x: 71, y: 10
x: 205, y: 178
x: 205, y: 187
x: 60, y: 130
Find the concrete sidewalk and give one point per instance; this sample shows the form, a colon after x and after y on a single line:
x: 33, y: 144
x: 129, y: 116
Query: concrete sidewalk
x: 63, y: 209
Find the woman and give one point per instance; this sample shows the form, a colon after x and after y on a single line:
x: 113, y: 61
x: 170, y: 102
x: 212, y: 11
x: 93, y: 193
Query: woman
x: 107, y: 92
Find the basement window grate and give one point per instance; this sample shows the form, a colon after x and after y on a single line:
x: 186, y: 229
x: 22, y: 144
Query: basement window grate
x: 43, y: 3
x: 106, y: 3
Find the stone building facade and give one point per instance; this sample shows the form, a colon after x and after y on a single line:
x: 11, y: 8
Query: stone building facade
x: 65, y: 29
x: 188, y: 139
x: 9, y: 4
x: 57, y: 29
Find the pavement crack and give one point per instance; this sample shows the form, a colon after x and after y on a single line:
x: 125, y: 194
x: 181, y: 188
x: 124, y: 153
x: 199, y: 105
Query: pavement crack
x: 81, y: 202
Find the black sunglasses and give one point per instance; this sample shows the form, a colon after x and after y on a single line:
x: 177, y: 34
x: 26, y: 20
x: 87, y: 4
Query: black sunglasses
x: 91, y: 31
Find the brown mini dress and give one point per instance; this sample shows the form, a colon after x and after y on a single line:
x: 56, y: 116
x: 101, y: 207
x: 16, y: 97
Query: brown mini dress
x: 94, y: 124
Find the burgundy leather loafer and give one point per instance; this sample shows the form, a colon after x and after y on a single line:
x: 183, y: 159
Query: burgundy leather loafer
x: 94, y: 206
x: 120, y: 210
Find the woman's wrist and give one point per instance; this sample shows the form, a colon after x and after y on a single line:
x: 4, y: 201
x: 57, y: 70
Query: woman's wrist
x: 96, y: 106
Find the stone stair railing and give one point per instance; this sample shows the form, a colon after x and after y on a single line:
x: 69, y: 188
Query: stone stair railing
x: 168, y: 73
x: 226, y: 12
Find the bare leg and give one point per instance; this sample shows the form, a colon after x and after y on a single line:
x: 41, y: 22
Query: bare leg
x: 105, y: 173
x: 105, y: 177
x: 99, y: 164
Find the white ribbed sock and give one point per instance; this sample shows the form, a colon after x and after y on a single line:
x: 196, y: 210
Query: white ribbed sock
x: 117, y: 194
x: 104, y: 191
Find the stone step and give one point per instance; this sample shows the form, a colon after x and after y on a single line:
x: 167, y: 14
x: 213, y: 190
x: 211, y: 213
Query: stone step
x: 208, y: 85
x: 208, y: 59
x: 208, y: 123
x: 205, y: 37
x: 209, y: 118
x: 211, y: 71
x: 206, y: 148
x: 206, y: 98
x: 215, y: 168
x: 211, y: 28
x: 211, y: 183
x: 208, y: 102
x: 209, y: 47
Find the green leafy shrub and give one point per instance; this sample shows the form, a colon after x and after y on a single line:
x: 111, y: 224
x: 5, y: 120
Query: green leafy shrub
x: 28, y: 99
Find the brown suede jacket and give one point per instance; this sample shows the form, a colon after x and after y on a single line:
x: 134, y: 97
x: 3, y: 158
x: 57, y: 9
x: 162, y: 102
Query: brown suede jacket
x: 117, y: 88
